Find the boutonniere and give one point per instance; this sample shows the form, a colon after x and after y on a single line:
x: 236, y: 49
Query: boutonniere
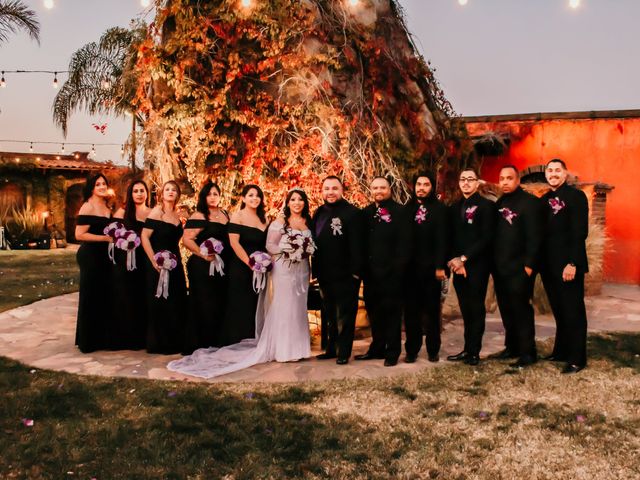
x: 469, y: 213
x: 382, y: 215
x: 421, y: 214
x: 508, y: 214
x: 556, y: 205
x: 336, y: 226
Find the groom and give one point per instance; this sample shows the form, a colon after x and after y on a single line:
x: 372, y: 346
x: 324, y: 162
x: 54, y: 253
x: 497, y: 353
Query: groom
x: 337, y: 264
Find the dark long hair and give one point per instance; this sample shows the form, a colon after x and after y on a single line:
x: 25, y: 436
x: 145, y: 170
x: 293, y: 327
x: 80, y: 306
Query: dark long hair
x: 305, y: 210
x: 161, y: 199
x: 91, y: 184
x: 202, y: 206
x: 260, y: 211
x: 129, y: 204
x: 433, y: 195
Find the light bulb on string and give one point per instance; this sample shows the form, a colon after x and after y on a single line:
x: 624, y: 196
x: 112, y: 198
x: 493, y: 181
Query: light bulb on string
x: 3, y: 84
x: 93, y: 150
x: 246, y: 3
x: 463, y: 2
x: 55, y: 80
x: 122, y: 150
x: 62, y: 149
x: 48, y: 4
x: 31, y: 147
x: 574, y: 3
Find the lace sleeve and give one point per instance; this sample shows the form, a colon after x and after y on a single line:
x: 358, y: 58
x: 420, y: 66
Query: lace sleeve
x: 274, y: 234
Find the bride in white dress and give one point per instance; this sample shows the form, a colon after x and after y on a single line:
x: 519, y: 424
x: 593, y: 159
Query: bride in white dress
x: 282, y: 329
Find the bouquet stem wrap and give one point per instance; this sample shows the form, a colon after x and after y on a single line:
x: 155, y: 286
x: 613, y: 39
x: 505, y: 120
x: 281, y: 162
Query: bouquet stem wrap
x: 111, y: 252
x: 216, y: 265
x: 131, y: 260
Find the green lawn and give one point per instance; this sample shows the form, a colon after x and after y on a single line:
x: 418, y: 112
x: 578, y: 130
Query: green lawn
x: 452, y: 422
x: 30, y: 275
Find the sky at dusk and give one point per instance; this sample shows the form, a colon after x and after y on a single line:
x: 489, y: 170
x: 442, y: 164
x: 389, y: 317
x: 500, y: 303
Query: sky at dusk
x: 491, y: 57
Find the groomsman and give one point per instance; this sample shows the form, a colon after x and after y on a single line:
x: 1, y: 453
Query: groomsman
x: 473, y: 222
x: 422, y: 306
x: 337, y: 264
x: 387, y: 244
x: 564, y: 264
x: 516, y: 248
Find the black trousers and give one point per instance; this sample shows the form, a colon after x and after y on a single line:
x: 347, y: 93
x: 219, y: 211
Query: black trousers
x: 384, y: 302
x: 514, y: 294
x: 422, y: 312
x: 570, y: 313
x: 339, y: 310
x: 471, y: 292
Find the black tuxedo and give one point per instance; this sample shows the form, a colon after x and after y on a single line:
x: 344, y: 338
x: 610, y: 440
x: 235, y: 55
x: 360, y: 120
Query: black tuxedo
x: 518, y: 237
x: 473, y: 222
x: 429, y: 252
x: 567, y: 227
x: 387, y: 248
x: 337, y: 264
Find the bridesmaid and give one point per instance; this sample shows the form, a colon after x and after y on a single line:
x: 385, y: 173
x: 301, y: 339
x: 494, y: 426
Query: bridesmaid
x: 247, y: 234
x: 129, y: 323
x: 162, y: 231
x: 95, y: 266
x: 207, y: 293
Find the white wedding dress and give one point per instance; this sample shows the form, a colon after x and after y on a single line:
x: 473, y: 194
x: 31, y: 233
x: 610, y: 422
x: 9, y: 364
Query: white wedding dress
x: 282, y: 328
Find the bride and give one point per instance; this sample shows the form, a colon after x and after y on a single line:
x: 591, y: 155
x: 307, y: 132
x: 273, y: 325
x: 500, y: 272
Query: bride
x: 282, y: 329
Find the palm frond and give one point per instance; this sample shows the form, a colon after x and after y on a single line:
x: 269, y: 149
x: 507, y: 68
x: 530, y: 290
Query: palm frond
x: 15, y: 16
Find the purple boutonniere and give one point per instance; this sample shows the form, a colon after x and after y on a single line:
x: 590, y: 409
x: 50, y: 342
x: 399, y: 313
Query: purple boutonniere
x: 382, y: 215
x: 421, y: 214
x: 508, y: 214
x: 556, y: 205
x: 469, y: 213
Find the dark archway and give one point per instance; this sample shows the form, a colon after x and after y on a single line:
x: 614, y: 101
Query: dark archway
x: 74, y: 199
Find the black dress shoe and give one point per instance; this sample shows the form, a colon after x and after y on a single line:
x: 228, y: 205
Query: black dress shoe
x: 472, y: 360
x: 368, y: 356
x: 523, y: 362
x: 326, y: 356
x: 390, y: 362
x: 502, y: 355
x: 434, y: 358
x: 458, y: 357
x: 342, y: 361
x: 553, y: 358
x: 410, y: 358
x: 569, y: 368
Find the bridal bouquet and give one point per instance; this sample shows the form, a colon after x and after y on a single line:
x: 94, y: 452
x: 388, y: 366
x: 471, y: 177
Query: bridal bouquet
x: 298, y: 247
x: 128, y: 240
x: 260, y: 263
x: 167, y: 261
x: 112, y: 230
x: 214, y: 247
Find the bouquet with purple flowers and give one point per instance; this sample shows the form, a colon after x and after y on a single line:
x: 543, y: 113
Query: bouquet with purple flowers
x: 167, y: 261
x: 298, y: 247
x: 260, y: 263
x: 213, y: 247
x: 113, y: 230
x: 128, y: 240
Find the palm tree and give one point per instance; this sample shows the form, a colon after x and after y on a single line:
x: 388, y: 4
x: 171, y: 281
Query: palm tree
x: 102, y: 79
x: 14, y: 16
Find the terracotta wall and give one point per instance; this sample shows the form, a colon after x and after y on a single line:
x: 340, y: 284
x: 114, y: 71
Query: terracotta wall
x: 595, y: 150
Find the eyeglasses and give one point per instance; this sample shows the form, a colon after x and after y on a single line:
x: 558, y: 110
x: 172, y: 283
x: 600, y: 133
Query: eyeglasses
x: 468, y: 180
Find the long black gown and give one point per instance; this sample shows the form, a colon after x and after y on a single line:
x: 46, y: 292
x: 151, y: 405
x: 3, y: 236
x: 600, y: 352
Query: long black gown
x: 128, y: 328
x: 207, y: 294
x: 94, y: 313
x: 166, y: 316
x: 242, y: 301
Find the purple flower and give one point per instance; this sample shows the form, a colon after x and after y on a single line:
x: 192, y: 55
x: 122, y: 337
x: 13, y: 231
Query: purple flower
x: 469, y: 213
x: 260, y: 262
x: 113, y: 229
x: 508, y: 214
x: 421, y: 214
x: 211, y: 246
x: 556, y: 205
x: 166, y: 260
x: 127, y: 240
x: 382, y: 215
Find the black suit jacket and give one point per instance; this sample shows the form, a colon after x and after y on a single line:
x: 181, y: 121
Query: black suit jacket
x: 387, y: 244
x: 518, y: 235
x: 340, y: 254
x: 430, y: 237
x: 567, y: 227
x: 473, y: 223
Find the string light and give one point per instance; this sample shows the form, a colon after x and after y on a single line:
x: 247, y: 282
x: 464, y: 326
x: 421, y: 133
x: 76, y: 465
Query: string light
x: 122, y: 150
x: 246, y: 3
x: 93, y: 149
x: 48, y: 4
x: 3, y: 83
x: 463, y: 2
x: 31, y: 147
x: 62, y: 149
x: 574, y: 3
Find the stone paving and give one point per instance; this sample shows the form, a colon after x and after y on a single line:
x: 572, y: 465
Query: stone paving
x: 42, y: 335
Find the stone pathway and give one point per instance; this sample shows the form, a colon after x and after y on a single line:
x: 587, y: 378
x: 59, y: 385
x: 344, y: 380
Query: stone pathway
x: 42, y: 335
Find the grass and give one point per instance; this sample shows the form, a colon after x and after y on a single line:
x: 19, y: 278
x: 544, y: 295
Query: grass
x: 445, y: 423
x: 452, y: 422
x: 30, y: 275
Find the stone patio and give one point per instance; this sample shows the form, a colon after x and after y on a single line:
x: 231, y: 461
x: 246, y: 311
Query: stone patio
x: 42, y: 335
